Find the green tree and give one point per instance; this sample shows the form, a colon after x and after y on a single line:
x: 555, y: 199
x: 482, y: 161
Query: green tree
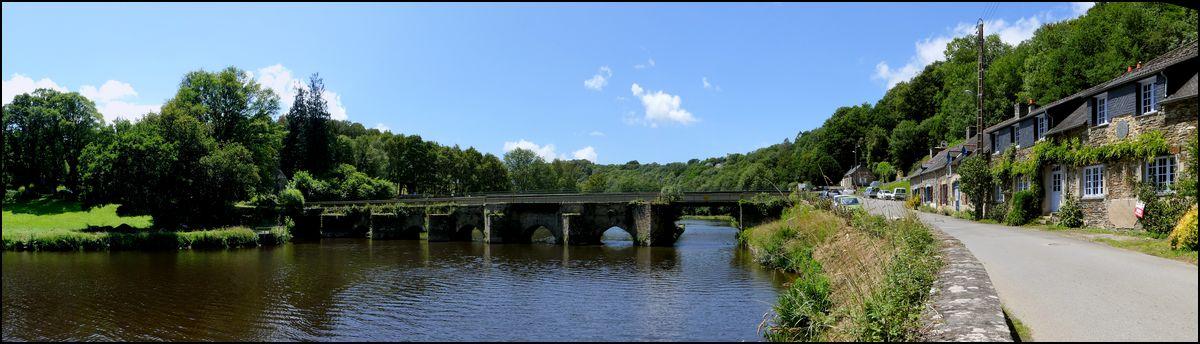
x: 308, y: 140
x: 975, y: 181
x: 44, y: 134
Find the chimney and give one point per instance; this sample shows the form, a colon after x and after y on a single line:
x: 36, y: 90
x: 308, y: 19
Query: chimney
x: 1032, y: 105
x: 1139, y: 65
x: 971, y: 132
x: 1017, y: 110
x: 1128, y: 69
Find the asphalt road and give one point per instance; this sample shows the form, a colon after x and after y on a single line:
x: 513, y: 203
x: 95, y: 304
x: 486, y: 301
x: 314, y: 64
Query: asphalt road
x: 1066, y: 289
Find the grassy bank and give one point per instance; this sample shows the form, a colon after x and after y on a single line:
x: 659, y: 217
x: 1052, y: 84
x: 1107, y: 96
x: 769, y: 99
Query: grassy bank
x: 721, y: 218
x: 55, y: 225
x: 860, y: 277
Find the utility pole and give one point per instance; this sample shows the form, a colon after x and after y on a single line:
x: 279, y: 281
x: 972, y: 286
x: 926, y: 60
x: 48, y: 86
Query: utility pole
x: 981, y: 200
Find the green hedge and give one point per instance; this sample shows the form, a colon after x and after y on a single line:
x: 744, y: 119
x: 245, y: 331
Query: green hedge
x: 236, y: 237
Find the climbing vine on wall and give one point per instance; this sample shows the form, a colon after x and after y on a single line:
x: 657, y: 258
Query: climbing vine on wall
x: 1073, y: 153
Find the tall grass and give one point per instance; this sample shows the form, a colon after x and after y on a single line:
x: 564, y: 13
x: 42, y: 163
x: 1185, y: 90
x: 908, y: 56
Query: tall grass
x: 860, y: 277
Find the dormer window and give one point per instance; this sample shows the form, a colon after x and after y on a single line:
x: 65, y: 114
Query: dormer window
x: 1150, y: 91
x: 1042, y: 123
x: 1101, y: 116
x: 1016, y: 135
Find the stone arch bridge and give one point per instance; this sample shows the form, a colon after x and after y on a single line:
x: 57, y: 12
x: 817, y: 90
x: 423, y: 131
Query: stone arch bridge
x: 573, y: 219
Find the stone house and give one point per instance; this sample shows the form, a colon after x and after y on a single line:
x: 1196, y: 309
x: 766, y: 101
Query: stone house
x: 857, y: 176
x: 935, y: 181
x: 1159, y: 95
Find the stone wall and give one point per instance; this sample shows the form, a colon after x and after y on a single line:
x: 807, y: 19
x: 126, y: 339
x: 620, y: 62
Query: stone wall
x: 963, y: 306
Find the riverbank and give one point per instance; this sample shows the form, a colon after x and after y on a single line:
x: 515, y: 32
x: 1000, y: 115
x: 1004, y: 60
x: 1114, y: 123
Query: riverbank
x: 48, y: 224
x: 860, y: 277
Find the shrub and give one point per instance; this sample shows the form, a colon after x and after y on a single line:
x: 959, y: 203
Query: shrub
x: 913, y: 202
x: 1023, y: 209
x: 997, y: 211
x: 1161, y: 212
x: 291, y: 198
x: 1070, y: 215
x: 1184, y: 236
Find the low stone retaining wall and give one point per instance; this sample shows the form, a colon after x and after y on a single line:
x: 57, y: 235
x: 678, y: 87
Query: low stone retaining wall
x: 963, y: 305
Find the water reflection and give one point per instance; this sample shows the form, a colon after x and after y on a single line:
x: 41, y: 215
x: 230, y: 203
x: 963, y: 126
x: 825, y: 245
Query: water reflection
x: 705, y: 288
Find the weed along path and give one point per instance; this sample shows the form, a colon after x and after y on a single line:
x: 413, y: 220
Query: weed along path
x: 1066, y: 289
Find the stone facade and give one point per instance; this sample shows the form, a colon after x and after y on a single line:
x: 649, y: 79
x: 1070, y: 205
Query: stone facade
x: 1115, y: 209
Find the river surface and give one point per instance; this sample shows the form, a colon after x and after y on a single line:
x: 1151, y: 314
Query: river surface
x: 704, y: 288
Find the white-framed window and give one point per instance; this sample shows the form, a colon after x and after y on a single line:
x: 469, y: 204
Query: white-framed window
x: 1016, y: 135
x: 999, y: 195
x: 1101, y: 109
x: 1149, y: 96
x: 1160, y: 172
x: 1042, y: 123
x: 1022, y: 183
x: 1093, y: 181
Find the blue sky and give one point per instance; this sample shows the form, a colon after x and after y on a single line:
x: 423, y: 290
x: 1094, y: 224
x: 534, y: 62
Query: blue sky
x: 606, y: 82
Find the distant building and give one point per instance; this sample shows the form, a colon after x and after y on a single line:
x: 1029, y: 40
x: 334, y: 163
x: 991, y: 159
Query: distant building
x: 857, y: 176
x: 935, y: 182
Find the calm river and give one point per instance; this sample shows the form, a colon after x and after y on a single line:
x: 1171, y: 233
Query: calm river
x: 704, y: 288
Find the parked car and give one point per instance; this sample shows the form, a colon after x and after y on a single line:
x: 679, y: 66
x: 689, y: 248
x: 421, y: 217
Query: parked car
x: 848, y: 202
x: 900, y: 194
x: 885, y: 194
x: 847, y: 191
x: 872, y: 192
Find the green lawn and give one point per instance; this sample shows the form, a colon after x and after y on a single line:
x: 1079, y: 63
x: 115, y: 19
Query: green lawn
x: 896, y: 184
x: 52, y: 215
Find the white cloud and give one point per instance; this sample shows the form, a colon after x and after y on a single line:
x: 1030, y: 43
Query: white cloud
x: 546, y: 152
x: 111, y: 90
x: 649, y: 63
x: 549, y: 152
x: 280, y: 80
x: 931, y: 49
x: 596, y: 133
x: 598, y: 81
x: 111, y: 98
x: 382, y: 127
x: 112, y: 101
x: 587, y: 153
x: 20, y: 84
x: 662, y: 107
x: 1081, y: 8
x: 112, y: 110
x: 709, y: 85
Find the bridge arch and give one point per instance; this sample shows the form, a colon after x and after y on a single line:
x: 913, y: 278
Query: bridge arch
x: 617, y: 236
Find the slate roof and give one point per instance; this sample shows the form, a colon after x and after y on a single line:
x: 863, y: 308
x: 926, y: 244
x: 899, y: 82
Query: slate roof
x: 938, y: 161
x: 852, y: 170
x: 1187, y: 90
x: 1080, y: 116
x: 1076, y: 119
